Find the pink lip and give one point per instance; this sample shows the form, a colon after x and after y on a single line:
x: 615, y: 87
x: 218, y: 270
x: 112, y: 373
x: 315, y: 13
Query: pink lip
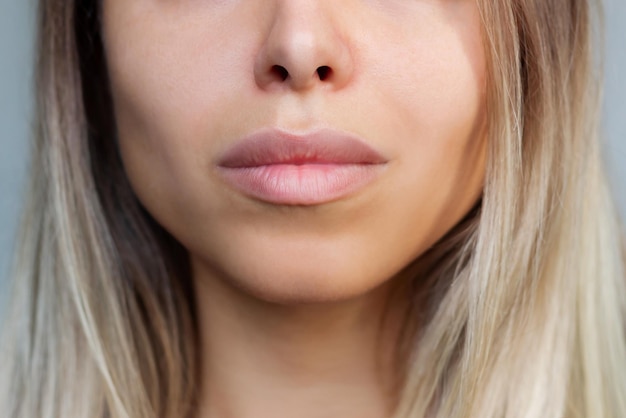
x: 285, y: 168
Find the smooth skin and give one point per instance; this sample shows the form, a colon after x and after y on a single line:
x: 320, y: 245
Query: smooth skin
x: 289, y: 297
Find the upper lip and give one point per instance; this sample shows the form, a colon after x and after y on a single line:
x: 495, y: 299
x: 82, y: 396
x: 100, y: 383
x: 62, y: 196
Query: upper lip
x: 275, y: 146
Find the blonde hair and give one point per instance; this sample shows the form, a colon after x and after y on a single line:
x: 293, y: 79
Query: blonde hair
x: 525, y: 312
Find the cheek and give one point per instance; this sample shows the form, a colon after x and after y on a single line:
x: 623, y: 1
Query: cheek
x: 172, y: 90
x: 434, y: 90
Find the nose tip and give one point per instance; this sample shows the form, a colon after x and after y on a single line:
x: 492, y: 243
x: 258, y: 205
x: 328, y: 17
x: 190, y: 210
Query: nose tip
x: 301, y: 51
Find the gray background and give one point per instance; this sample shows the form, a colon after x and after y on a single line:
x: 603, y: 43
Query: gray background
x: 16, y: 48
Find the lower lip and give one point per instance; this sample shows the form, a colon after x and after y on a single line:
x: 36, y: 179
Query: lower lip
x: 307, y: 184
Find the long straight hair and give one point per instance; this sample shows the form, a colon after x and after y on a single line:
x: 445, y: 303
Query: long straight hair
x: 526, y: 305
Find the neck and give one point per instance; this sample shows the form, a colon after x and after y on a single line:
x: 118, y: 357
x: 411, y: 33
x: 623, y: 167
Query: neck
x: 262, y: 359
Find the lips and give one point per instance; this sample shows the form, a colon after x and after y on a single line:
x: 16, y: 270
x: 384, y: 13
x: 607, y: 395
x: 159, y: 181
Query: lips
x: 285, y: 168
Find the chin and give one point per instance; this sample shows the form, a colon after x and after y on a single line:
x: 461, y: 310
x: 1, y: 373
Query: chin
x: 316, y: 278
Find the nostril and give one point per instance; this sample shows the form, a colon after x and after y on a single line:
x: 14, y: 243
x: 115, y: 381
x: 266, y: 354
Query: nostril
x: 324, y: 72
x: 280, y: 72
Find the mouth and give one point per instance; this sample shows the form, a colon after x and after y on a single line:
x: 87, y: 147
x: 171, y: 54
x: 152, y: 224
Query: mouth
x: 285, y: 168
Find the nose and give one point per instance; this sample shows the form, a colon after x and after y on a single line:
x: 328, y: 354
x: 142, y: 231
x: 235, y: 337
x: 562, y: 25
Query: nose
x: 303, y: 49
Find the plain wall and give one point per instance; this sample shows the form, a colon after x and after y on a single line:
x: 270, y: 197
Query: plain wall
x: 615, y: 98
x: 16, y: 47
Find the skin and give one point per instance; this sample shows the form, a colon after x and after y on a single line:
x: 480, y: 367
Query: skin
x: 290, y: 296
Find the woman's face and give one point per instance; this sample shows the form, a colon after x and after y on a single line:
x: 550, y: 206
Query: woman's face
x: 242, y: 122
